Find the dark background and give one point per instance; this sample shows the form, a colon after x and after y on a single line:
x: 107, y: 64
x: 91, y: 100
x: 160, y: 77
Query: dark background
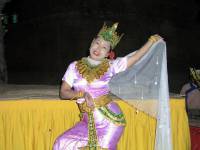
x: 49, y: 34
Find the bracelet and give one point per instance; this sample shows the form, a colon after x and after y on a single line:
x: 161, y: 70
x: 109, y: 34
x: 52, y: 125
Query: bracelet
x: 80, y: 94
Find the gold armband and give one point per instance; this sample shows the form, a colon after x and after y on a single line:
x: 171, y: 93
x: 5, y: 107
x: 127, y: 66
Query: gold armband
x: 80, y: 94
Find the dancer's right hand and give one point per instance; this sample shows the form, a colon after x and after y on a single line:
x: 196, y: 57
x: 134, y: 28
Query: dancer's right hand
x: 89, y: 100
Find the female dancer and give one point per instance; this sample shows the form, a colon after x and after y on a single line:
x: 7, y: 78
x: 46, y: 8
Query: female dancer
x: 86, y: 80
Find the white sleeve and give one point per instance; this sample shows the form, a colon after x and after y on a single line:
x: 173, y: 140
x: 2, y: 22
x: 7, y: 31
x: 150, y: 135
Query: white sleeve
x: 119, y: 64
x: 69, y: 75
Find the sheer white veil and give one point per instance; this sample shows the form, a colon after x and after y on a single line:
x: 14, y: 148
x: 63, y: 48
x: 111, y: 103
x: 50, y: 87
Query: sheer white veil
x: 145, y: 86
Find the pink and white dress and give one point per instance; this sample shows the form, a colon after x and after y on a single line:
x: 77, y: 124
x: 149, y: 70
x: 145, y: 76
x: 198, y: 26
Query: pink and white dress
x: 108, y: 121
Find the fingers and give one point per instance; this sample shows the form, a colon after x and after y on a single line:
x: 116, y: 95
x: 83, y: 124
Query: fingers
x: 158, y: 37
x: 88, y: 97
x: 154, y: 38
x: 89, y: 100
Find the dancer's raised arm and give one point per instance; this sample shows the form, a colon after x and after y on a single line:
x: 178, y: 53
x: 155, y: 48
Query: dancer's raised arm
x: 142, y: 51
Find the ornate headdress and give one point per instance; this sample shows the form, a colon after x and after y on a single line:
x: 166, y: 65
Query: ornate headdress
x: 195, y: 75
x: 110, y: 34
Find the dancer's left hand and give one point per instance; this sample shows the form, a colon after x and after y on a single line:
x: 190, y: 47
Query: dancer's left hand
x: 154, y: 38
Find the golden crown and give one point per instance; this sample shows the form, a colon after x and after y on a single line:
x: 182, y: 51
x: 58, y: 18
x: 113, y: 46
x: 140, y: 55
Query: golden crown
x: 110, y: 34
x: 195, y: 74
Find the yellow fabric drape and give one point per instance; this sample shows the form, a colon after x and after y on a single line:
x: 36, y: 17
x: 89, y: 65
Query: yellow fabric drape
x: 34, y: 125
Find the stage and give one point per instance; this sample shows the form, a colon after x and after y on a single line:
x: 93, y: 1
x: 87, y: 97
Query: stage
x: 31, y: 117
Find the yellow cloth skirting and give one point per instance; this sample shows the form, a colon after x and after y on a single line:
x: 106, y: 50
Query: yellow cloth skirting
x: 35, y: 124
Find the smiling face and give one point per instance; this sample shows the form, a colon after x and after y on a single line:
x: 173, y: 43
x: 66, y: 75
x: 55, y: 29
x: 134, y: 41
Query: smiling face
x: 99, y: 49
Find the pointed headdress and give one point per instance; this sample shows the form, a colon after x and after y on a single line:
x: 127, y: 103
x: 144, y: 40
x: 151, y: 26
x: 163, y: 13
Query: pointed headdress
x: 110, y: 34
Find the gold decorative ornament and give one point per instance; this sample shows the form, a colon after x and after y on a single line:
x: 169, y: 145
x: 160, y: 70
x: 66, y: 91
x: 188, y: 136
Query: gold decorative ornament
x: 195, y: 75
x: 110, y: 34
x: 80, y: 94
x: 89, y: 72
x: 98, y: 102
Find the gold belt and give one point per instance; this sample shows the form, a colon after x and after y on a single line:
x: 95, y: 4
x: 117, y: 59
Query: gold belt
x: 98, y: 102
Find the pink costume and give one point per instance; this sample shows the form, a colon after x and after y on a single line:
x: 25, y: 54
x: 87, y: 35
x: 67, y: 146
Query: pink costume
x: 102, y: 128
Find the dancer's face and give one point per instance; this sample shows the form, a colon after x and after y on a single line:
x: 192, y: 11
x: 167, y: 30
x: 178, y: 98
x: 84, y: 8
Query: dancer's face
x: 99, y: 49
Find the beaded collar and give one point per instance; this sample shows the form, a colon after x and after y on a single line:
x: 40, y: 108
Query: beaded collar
x: 91, y: 72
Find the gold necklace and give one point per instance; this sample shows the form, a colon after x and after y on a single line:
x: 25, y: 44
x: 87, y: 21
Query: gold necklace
x: 90, y: 72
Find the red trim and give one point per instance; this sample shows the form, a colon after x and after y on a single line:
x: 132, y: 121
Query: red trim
x: 195, y: 137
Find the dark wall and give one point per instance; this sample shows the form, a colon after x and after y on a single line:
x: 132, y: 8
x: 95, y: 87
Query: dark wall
x: 50, y: 34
